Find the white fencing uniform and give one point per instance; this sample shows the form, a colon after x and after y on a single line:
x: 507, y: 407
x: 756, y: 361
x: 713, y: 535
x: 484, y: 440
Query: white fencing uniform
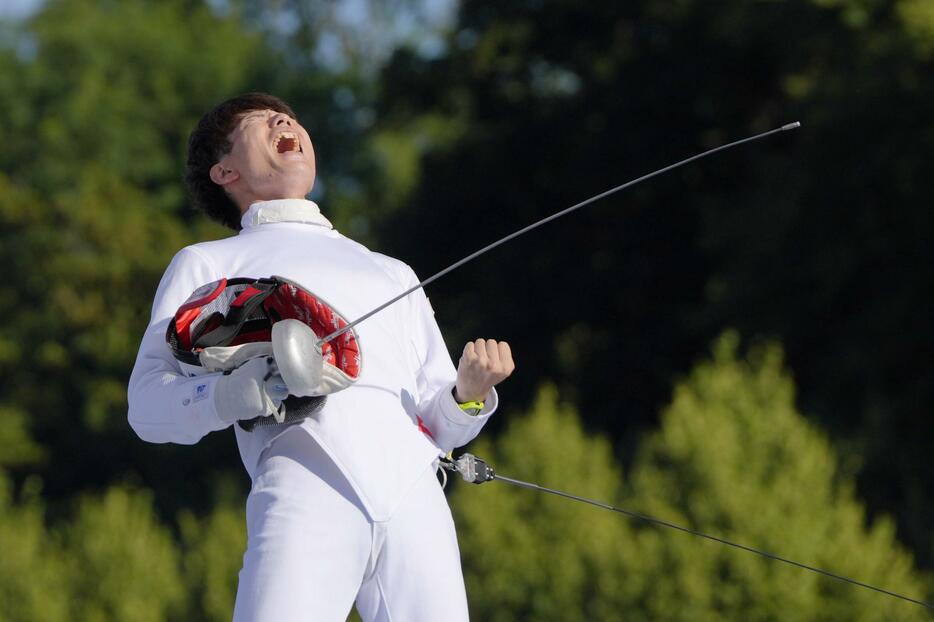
x: 346, y: 500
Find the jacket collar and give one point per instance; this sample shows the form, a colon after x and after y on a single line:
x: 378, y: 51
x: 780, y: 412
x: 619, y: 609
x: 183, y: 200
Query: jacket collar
x: 284, y: 210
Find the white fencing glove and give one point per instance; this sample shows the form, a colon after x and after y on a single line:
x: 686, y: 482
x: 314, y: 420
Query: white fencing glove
x: 254, y: 389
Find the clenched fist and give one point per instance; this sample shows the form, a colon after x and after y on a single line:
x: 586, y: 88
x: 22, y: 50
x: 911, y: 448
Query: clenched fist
x: 484, y: 364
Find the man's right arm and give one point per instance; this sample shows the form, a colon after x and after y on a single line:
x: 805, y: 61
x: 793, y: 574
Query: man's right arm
x: 165, y: 405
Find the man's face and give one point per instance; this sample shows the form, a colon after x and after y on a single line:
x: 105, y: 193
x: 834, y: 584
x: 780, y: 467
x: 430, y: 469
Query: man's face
x: 271, y: 158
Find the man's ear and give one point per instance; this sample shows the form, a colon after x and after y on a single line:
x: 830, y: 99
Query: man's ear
x: 221, y: 175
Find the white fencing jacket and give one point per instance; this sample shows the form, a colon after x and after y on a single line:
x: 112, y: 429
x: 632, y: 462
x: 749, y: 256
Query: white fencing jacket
x: 384, y: 430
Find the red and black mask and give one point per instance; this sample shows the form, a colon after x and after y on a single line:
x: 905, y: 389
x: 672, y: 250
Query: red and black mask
x: 232, y: 312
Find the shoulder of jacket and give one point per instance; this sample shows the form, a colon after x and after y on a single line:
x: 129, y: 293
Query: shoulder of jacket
x: 210, y: 247
x: 194, y: 258
x: 398, y: 270
x: 212, y: 252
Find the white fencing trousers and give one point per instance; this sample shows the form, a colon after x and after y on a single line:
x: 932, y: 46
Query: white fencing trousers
x: 312, y: 550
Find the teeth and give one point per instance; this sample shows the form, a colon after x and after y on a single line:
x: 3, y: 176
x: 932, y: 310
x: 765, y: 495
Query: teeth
x: 289, y: 135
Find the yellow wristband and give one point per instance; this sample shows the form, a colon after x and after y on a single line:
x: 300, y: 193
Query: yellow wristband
x: 477, y: 406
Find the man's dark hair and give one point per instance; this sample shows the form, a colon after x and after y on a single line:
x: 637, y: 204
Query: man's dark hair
x: 208, y: 143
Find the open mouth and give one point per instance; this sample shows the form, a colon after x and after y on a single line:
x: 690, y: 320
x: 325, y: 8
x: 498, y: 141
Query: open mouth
x: 287, y: 142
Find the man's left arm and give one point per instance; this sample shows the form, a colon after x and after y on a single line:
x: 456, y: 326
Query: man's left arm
x: 453, y: 405
x: 483, y: 365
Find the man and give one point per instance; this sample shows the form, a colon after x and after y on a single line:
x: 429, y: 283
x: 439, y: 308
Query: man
x: 344, y: 504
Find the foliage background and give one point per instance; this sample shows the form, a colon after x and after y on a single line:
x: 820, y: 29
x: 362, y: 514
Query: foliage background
x: 742, y: 346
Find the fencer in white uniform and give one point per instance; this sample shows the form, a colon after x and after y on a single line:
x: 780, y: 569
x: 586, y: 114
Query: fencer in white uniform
x: 344, y: 505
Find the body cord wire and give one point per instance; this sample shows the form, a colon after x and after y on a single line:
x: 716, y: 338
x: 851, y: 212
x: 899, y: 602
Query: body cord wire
x: 693, y: 532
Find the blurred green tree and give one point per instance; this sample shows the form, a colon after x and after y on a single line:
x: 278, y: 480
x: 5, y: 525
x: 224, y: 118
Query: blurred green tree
x: 819, y: 238
x: 733, y: 458
x: 99, y: 99
x: 109, y: 561
x: 530, y: 556
x: 213, y: 554
x: 113, y: 88
x: 33, y: 581
x: 122, y: 564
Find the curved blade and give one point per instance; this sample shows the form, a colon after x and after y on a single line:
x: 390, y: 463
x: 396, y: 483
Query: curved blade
x: 294, y: 346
